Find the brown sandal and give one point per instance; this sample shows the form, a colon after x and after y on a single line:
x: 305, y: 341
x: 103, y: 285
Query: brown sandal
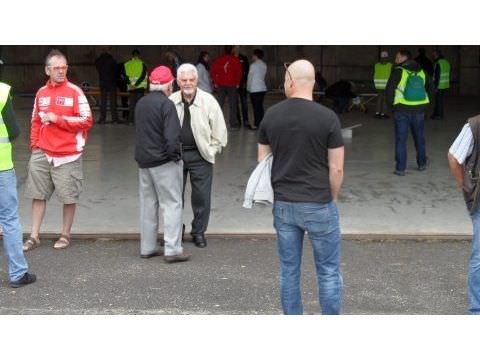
x: 31, y: 244
x: 62, y: 242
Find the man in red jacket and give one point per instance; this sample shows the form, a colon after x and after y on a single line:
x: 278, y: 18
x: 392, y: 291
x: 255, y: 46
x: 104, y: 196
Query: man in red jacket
x: 60, y: 120
x: 226, y: 73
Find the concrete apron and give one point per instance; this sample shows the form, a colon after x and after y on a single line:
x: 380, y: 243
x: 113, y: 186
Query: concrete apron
x: 374, y: 204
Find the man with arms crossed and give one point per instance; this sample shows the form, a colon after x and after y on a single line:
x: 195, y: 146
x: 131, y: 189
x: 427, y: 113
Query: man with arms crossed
x: 307, y: 172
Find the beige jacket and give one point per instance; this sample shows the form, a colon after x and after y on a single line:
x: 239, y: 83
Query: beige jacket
x: 208, y: 124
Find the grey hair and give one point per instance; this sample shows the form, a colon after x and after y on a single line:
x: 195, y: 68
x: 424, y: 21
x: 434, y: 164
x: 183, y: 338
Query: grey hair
x: 159, y: 87
x: 53, y: 53
x: 187, y: 68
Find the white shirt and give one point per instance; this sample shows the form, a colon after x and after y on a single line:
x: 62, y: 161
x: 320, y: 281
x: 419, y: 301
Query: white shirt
x: 256, y: 77
x: 61, y: 160
x: 462, y: 147
x: 204, y: 81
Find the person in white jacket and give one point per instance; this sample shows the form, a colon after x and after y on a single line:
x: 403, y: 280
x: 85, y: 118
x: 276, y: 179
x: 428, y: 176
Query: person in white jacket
x: 256, y: 85
x: 204, y: 134
x: 203, y: 69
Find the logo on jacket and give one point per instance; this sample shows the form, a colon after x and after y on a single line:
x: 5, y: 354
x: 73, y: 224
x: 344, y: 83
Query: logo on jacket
x: 64, y: 101
x: 44, y: 101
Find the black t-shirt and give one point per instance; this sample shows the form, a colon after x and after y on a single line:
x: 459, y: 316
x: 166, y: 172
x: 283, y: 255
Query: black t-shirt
x: 300, y: 132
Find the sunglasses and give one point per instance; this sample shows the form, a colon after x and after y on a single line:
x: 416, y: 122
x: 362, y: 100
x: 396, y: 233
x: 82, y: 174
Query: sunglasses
x: 286, y: 65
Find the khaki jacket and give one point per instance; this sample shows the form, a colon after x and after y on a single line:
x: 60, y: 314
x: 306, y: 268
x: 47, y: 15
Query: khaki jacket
x: 208, y: 125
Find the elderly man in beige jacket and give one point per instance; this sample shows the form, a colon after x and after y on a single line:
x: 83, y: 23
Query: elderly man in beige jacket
x: 204, y: 133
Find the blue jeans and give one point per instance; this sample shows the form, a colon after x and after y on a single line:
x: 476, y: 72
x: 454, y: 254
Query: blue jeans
x: 12, y: 230
x: 405, y: 120
x: 320, y: 221
x: 474, y: 267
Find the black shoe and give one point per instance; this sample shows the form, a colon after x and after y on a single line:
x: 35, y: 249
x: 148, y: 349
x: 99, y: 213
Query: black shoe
x: 169, y: 259
x: 384, y: 116
x: 378, y: 116
x: 424, y: 166
x: 199, y: 240
x: 399, y: 173
x: 25, y: 280
x: 155, y: 253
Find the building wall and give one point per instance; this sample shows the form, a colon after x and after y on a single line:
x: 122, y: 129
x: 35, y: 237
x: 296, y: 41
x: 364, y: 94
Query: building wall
x: 24, y: 68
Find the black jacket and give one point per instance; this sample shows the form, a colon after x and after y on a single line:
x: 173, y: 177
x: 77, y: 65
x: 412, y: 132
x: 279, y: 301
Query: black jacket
x: 10, y: 121
x: 395, y: 78
x: 157, y: 128
x: 425, y: 63
x: 107, y: 74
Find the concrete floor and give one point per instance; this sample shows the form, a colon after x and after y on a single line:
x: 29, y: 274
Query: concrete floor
x: 373, y: 200
x: 234, y: 276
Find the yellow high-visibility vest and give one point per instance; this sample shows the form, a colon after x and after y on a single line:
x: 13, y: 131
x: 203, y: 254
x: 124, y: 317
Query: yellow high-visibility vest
x: 400, y: 99
x: 444, y: 81
x: 133, y: 69
x: 381, y: 75
x: 6, y: 162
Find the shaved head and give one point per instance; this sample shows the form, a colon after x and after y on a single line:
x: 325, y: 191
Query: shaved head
x: 302, y: 70
x: 300, y: 79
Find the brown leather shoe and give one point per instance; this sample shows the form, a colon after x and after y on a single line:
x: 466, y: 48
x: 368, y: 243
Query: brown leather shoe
x: 170, y: 259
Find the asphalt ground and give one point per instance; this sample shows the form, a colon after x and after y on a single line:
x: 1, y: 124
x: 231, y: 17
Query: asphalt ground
x: 236, y: 276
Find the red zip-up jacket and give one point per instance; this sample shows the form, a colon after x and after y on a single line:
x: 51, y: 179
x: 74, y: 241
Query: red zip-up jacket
x: 67, y: 136
x: 226, y: 70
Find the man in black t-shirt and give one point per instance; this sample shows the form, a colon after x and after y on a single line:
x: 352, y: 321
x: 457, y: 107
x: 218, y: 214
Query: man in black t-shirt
x: 307, y: 172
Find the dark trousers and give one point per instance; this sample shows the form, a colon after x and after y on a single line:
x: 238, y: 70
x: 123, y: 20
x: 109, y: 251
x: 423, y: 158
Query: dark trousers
x: 134, y: 96
x: 231, y: 92
x: 405, y: 120
x: 201, y: 174
x: 124, y: 102
x: 111, y: 94
x: 381, y: 102
x: 257, y: 104
x: 340, y: 104
x: 242, y: 94
x: 438, y: 107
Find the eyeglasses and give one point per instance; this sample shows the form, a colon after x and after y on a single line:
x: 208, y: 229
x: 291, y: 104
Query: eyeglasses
x: 59, y: 68
x: 286, y: 65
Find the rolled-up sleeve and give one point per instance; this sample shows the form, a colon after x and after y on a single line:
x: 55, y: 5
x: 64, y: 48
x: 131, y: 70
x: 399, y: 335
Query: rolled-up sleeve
x: 462, y: 147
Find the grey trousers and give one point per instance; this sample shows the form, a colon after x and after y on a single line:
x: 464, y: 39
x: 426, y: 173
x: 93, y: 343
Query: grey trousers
x: 161, y: 186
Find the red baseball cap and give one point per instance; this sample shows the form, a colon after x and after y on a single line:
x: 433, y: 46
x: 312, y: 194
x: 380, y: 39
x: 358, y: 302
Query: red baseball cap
x: 160, y: 75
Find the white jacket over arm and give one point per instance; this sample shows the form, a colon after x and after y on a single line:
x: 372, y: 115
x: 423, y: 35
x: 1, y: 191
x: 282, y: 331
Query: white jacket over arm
x: 259, y: 187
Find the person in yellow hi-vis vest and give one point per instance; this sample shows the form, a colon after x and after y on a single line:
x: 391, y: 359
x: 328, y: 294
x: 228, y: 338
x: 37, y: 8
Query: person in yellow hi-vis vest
x: 407, y: 95
x: 441, y: 81
x: 381, y: 73
x: 9, y: 219
x: 136, y: 72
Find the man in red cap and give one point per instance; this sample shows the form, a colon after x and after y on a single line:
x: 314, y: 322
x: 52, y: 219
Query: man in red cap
x: 158, y: 152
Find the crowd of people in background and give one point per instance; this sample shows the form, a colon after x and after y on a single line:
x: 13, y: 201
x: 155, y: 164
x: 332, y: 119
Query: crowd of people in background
x: 232, y: 77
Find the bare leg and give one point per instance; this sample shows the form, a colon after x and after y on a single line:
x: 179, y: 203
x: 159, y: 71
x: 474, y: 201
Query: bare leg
x: 38, y: 212
x: 68, y: 214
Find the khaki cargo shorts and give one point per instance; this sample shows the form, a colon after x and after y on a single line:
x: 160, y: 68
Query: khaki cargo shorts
x: 43, y: 179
